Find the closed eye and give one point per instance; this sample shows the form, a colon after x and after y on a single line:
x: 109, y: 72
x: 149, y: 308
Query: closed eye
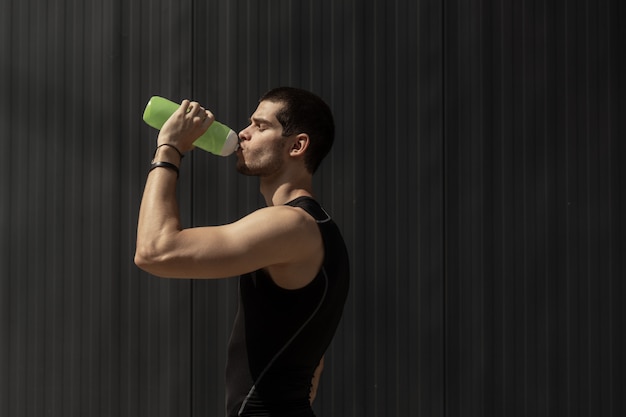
x: 260, y: 124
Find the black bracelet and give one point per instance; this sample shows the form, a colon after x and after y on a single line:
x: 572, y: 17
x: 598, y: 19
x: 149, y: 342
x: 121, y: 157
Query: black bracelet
x: 163, y: 164
x: 171, y: 146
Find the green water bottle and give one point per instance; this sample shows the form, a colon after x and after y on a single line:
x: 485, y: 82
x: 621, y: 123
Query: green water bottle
x: 219, y: 139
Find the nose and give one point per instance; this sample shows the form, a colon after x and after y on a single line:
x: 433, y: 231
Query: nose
x: 244, y: 134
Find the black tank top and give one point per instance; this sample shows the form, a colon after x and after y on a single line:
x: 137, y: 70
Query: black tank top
x: 279, y: 335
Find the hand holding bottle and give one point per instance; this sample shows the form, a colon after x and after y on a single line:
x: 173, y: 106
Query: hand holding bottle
x: 185, y: 125
x: 192, y: 123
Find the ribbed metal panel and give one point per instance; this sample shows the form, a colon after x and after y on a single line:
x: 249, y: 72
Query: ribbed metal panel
x: 83, y: 332
x: 476, y: 177
x: 534, y: 208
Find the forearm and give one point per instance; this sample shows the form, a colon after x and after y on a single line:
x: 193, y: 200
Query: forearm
x: 159, y: 218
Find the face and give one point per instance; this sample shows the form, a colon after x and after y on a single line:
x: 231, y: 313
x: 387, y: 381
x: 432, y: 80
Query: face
x: 262, y: 146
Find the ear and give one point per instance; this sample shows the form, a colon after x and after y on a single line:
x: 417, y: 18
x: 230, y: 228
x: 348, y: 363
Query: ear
x: 300, y: 144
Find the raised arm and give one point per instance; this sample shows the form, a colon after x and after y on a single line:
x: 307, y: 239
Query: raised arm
x: 282, y: 238
x: 270, y: 236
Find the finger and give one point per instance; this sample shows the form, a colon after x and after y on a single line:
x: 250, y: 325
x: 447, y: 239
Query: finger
x: 184, y: 106
x: 208, y: 117
x: 198, y: 115
x: 193, y: 108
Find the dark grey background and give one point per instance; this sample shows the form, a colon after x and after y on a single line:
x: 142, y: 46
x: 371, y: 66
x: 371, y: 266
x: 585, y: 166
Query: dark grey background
x: 477, y: 177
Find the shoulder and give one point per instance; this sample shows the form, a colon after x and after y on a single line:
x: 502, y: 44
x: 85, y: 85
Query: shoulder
x: 280, y: 220
x: 285, y: 212
x: 295, y: 243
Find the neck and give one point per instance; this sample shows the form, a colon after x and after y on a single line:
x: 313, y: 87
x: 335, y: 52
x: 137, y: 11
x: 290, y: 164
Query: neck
x: 278, y: 191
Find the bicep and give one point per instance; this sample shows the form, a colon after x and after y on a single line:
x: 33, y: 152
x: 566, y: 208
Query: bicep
x: 256, y: 241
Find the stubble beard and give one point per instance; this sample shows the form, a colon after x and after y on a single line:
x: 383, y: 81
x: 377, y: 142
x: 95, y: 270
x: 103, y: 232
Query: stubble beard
x: 262, y: 164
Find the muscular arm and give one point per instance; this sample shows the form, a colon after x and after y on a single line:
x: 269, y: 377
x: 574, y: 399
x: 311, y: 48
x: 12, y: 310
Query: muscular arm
x: 262, y: 239
x: 159, y: 218
x: 280, y: 237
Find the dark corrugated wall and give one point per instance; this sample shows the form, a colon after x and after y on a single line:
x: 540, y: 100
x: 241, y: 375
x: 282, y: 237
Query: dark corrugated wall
x: 476, y: 177
x: 535, y: 192
x: 83, y: 333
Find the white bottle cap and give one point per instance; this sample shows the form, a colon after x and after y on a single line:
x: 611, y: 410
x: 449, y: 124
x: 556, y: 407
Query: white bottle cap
x: 231, y: 144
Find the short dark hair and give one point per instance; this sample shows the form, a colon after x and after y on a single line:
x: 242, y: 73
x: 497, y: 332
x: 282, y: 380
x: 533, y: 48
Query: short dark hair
x: 304, y: 112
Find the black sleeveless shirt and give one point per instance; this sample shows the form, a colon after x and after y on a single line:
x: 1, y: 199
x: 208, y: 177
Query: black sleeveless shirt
x: 280, y: 335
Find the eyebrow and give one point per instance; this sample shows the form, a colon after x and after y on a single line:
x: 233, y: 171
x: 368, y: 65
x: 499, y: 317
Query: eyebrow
x: 260, y: 120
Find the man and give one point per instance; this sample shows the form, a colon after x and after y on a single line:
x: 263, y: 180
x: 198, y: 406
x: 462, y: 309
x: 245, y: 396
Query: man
x: 291, y: 257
